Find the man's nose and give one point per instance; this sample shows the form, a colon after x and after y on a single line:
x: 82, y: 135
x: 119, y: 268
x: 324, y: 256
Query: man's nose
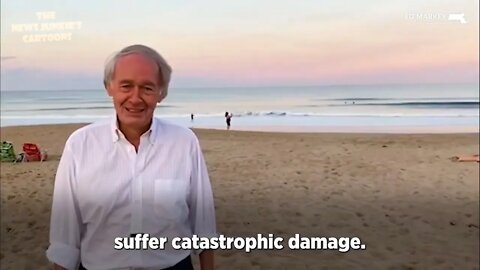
x: 136, y: 94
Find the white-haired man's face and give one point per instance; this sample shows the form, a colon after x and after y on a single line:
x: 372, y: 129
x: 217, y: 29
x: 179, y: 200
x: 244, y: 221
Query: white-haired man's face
x: 135, y: 89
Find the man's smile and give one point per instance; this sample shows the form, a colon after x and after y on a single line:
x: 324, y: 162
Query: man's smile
x: 134, y: 110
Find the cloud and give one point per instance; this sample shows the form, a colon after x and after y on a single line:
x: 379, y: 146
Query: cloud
x: 5, y: 58
x: 50, y: 79
x: 42, y: 79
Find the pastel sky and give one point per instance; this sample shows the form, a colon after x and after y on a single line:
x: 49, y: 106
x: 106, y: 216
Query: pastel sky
x: 216, y: 43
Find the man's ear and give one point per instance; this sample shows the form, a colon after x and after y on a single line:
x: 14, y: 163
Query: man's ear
x: 160, y: 96
x: 108, y: 87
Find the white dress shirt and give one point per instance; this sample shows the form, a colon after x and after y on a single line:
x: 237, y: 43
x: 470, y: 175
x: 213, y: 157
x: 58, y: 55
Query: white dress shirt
x: 104, y: 189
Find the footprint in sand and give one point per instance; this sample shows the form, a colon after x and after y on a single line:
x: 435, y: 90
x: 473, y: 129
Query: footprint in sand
x: 404, y: 231
x: 438, y: 261
x: 27, y: 237
x: 301, y: 187
x: 284, y: 205
x: 468, y: 259
x: 45, y: 209
x: 15, y: 249
x: 339, y: 193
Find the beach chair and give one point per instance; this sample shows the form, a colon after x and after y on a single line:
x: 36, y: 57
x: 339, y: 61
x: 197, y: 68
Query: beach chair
x: 32, y: 152
x: 7, y: 152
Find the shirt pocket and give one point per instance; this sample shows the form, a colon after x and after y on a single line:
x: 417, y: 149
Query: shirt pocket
x: 170, y: 199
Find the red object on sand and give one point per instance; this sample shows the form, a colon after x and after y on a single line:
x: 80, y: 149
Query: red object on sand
x: 32, y: 152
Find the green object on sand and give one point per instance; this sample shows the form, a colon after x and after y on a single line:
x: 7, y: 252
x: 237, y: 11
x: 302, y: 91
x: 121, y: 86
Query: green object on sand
x: 7, y: 152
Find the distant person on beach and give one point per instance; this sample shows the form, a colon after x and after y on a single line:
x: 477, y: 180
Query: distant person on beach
x: 470, y: 158
x: 191, y: 117
x: 228, y: 118
x: 134, y: 175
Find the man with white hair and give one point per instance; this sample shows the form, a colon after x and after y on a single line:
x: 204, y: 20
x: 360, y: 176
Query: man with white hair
x: 135, y: 174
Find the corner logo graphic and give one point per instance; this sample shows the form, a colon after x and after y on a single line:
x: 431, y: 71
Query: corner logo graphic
x: 457, y: 17
x: 436, y: 17
x: 47, y: 29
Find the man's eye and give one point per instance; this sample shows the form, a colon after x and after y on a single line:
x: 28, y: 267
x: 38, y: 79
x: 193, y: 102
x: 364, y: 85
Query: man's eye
x: 147, y: 88
x: 125, y: 86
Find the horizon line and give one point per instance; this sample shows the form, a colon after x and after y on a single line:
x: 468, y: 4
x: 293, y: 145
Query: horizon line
x: 263, y: 86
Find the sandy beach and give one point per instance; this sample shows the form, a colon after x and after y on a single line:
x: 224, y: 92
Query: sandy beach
x: 400, y: 194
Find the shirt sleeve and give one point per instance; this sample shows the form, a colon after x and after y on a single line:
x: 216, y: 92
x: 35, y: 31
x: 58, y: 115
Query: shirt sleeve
x: 201, y: 203
x: 65, y: 222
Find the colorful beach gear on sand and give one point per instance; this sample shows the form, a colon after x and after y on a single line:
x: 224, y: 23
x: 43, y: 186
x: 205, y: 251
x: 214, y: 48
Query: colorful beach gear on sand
x: 31, y: 152
x: 7, y: 152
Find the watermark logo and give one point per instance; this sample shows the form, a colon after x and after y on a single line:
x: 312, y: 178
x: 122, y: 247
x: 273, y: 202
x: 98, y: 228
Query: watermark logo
x: 436, y: 17
x: 457, y: 17
x: 47, y: 29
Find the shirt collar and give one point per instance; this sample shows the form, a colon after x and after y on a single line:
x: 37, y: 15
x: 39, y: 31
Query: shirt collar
x: 151, y: 132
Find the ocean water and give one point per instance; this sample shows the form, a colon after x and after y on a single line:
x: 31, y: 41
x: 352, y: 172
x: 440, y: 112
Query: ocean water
x: 322, y: 106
